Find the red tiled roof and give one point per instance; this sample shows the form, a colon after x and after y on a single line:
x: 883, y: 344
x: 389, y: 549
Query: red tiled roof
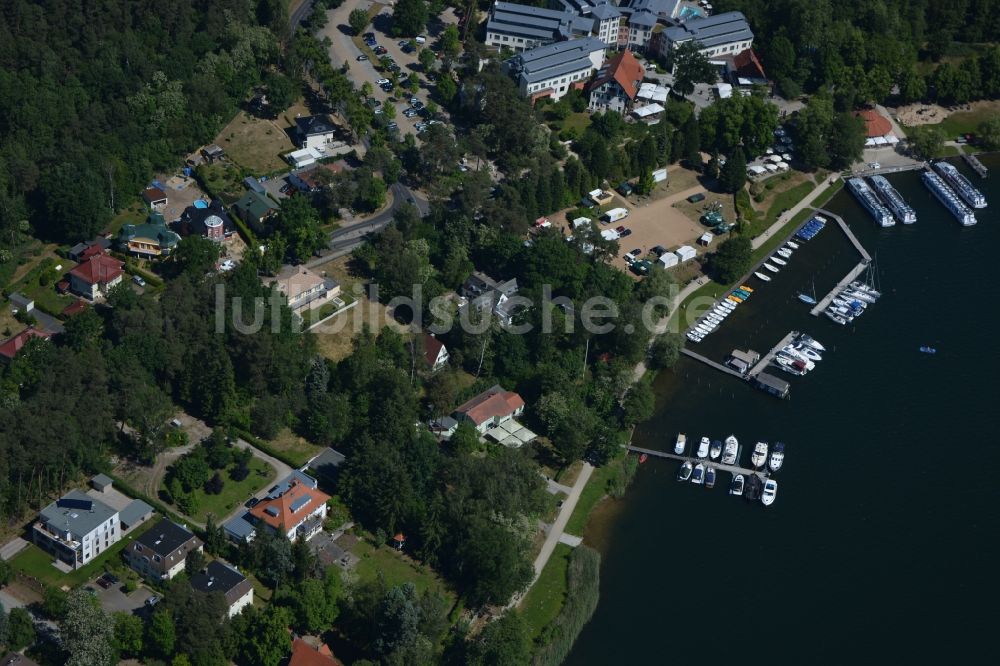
x: 74, y: 308
x: 98, y: 269
x: 10, y: 348
x: 875, y: 123
x: 624, y: 69
x: 748, y: 65
x: 304, y: 654
x: 286, y: 518
x: 432, y: 348
x: 151, y: 194
x: 91, y: 251
x: 490, y: 404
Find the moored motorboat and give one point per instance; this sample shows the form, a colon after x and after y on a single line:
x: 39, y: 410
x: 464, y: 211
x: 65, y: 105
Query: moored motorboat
x: 770, y: 492
x: 685, y: 471
x: 710, y: 477
x: 703, y: 446
x: 736, y: 487
x: 715, y: 450
x: 761, y: 276
x: 776, y: 260
x: 808, y: 352
x: 789, y: 366
x: 812, y: 342
x: 759, y: 456
x: 777, y: 457
x: 771, y: 268
x: 680, y: 444
x: 730, y: 451
x: 698, y: 477
x: 836, y: 318
x: 643, y: 458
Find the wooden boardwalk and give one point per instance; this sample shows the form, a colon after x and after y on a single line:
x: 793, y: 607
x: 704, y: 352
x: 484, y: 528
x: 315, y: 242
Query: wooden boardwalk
x: 847, y: 232
x: 975, y: 164
x: 769, y: 356
x: 850, y: 277
x: 709, y: 362
x: 732, y: 469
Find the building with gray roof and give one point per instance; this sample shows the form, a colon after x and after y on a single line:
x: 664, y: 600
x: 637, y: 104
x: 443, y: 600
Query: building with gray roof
x: 523, y: 27
x: 728, y: 33
x: 76, y: 528
x: 550, y: 71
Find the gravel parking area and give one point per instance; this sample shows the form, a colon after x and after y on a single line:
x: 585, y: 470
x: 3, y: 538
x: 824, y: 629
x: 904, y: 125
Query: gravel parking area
x: 114, y: 600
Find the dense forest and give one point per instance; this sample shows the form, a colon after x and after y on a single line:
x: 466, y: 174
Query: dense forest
x: 95, y: 96
x: 862, y: 49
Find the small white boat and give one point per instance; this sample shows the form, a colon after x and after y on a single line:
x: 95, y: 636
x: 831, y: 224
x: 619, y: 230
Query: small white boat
x: 710, y: 477
x: 836, y: 318
x: 784, y: 252
x: 703, y: 447
x: 809, y: 352
x: 789, y: 366
x: 776, y: 260
x: 770, y: 492
x: 715, y: 450
x: 771, y: 268
x: 759, y: 457
x: 777, y: 457
x: 815, y: 344
x: 694, y: 337
x: 701, y: 328
x: 761, y: 276
x: 792, y: 245
x: 730, y: 451
x: 685, y: 471
x: 680, y: 444
x: 699, y: 474
x: 736, y: 488
x: 728, y: 306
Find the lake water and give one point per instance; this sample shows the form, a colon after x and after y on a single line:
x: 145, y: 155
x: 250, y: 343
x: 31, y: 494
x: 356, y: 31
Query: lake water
x: 881, y: 546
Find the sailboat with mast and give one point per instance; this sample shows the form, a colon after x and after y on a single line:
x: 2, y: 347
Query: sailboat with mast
x: 809, y: 299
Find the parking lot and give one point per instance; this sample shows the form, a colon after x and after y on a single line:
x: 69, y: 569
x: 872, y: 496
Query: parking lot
x: 114, y: 600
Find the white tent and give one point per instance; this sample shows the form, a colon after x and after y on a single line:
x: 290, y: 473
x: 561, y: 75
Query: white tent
x: 648, y: 110
x: 756, y: 169
x: 580, y: 221
x: 610, y: 234
x: 706, y: 239
x: 685, y: 253
x: 668, y: 259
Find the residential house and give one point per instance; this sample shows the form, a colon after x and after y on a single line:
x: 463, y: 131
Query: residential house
x: 745, y: 70
x: 76, y: 528
x: 213, y: 153
x: 154, y: 197
x: 552, y: 70
x: 304, y: 289
x: 296, y: 510
x: 94, y: 276
x: 435, y: 353
x: 150, y: 239
x: 304, y: 654
x: 314, y: 178
x: 212, y: 222
x: 10, y: 347
x: 255, y: 209
x: 490, y: 408
x: 221, y: 577
x: 315, y: 132
x: 160, y: 552
x: 486, y: 293
x: 81, y: 251
x: 617, y: 84
x: 718, y: 35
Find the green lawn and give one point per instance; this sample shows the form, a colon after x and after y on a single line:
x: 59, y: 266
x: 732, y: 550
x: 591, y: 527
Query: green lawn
x: 233, y: 493
x: 966, y: 122
x: 297, y: 449
x: 35, y: 562
x: 40, y: 285
x: 545, y: 598
x: 593, y: 492
x: 397, y: 569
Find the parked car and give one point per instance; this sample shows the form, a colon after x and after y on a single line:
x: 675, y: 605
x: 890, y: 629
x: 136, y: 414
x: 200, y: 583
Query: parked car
x: 251, y: 503
x: 381, y: 81
x: 286, y: 188
x: 369, y: 35
x: 409, y: 113
x: 386, y: 87
x: 620, y: 229
x: 636, y: 252
x: 152, y: 601
x: 402, y: 43
x: 138, y: 280
x: 414, y: 101
x: 627, y: 232
x: 362, y: 57
x: 380, y: 50
x: 392, y: 126
x: 420, y: 40
x: 659, y: 250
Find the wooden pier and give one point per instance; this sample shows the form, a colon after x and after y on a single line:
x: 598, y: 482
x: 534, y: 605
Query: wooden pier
x: 975, y: 164
x: 732, y: 469
x: 769, y: 356
x: 848, y: 279
x: 712, y: 364
x: 847, y: 232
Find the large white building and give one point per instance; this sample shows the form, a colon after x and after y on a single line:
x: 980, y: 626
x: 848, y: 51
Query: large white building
x: 523, y: 27
x: 719, y: 35
x: 550, y: 71
x: 76, y: 528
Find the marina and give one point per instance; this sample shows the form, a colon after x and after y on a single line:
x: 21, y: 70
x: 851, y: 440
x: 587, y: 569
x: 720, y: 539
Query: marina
x: 903, y: 212
x: 848, y: 279
x: 948, y: 198
x: 762, y: 474
x: 769, y: 356
x: 859, y: 188
x: 975, y: 164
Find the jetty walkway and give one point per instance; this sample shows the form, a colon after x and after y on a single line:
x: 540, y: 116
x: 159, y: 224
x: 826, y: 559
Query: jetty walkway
x: 849, y: 278
x: 975, y: 164
x: 769, y: 356
x: 733, y: 469
x: 847, y: 232
x: 709, y: 362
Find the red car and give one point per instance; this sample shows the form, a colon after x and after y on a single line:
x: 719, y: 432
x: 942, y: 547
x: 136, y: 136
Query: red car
x: 620, y: 230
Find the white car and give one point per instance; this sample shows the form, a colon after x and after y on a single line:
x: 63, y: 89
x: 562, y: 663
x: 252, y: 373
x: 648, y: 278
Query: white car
x: 227, y: 265
x: 381, y: 82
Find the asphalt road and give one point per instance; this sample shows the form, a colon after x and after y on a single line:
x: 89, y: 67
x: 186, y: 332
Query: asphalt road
x: 299, y: 15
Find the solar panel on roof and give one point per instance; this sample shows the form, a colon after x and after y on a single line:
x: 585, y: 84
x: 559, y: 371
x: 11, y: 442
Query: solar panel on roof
x: 71, y: 503
x: 272, y: 511
x: 299, y: 503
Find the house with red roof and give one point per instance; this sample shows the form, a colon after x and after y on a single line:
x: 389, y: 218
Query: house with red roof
x: 435, y: 353
x: 491, y: 408
x: 296, y: 509
x: 9, y: 348
x: 95, y: 275
x: 304, y: 654
x: 875, y: 123
x: 616, y: 84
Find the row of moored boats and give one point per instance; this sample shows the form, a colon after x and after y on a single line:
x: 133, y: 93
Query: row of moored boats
x: 728, y: 453
x: 714, y: 318
x: 777, y: 261
x: 800, y: 356
x: 851, y: 302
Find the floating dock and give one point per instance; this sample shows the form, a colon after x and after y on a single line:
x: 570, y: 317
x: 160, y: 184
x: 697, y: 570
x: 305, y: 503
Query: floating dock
x: 732, y: 469
x: 769, y: 356
x: 848, y: 279
x: 850, y: 235
x: 975, y: 164
x: 712, y: 364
